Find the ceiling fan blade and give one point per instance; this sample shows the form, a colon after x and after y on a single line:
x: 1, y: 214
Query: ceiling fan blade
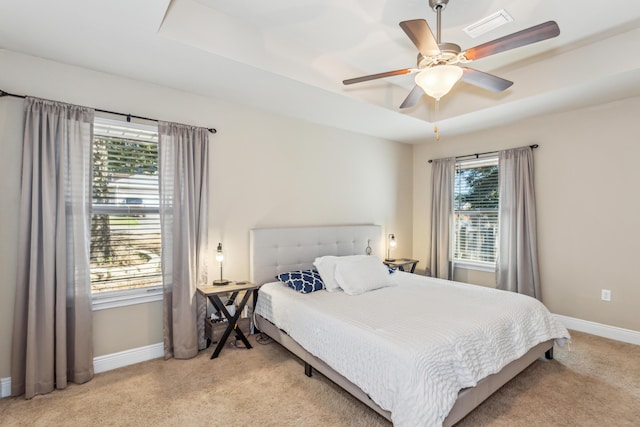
x: 378, y: 76
x: 485, y: 80
x: 530, y: 35
x: 420, y: 34
x: 413, y: 97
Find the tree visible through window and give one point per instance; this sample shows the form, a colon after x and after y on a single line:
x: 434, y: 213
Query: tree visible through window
x: 476, y: 211
x: 125, y: 227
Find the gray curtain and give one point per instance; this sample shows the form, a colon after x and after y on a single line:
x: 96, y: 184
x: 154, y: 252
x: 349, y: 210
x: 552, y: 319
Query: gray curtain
x: 442, y: 181
x: 52, y: 331
x: 183, y: 170
x: 517, y: 263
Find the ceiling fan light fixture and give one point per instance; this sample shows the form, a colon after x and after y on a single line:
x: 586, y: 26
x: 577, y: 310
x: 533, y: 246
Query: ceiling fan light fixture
x: 438, y: 80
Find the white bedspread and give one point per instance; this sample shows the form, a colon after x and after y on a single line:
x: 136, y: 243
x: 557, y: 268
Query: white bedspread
x: 412, y: 347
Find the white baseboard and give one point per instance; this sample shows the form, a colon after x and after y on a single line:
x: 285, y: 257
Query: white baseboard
x: 127, y: 357
x: 605, y: 331
x: 107, y: 362
x: 5, y: 387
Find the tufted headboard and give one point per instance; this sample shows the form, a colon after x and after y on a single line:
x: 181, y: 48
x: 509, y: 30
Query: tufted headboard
x: 277, y: 250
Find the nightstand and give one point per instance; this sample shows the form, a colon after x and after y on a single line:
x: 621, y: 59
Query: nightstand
x: 213, y: 293
x: 401, y: 263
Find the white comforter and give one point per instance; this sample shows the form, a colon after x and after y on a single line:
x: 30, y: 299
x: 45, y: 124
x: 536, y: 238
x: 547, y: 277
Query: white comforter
x: 414, y: 346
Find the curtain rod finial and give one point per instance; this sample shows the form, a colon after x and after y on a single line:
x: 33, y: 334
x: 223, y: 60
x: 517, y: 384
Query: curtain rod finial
x: 212, y: 130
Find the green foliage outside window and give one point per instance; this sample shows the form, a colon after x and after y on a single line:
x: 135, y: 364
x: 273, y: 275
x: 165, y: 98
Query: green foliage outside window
x: 125, y: 233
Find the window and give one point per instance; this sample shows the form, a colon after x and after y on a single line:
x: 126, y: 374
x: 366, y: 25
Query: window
x: 125, y: 222
x: 476, y: 212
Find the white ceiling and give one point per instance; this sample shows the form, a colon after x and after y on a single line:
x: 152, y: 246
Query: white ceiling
x: 290, y: 56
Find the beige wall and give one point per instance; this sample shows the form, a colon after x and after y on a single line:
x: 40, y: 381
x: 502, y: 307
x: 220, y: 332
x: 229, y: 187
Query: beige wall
x: 266, y: 170
x: 128, y: 327
x: 10, y: 125
x: 586, y: 178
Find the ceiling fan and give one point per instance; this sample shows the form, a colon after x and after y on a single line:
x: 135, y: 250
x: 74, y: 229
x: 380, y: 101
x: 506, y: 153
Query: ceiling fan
x: 438, y: 67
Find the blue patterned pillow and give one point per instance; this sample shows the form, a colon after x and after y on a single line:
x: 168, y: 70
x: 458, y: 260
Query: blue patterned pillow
x: 303, y: 281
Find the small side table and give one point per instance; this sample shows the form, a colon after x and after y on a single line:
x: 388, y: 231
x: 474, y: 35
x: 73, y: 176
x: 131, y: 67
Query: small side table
x: 212, y: 293
x: 401, y: 263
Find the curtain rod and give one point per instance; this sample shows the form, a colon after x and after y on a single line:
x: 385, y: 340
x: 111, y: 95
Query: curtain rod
x: 477, y: 155
x: 128, y: 116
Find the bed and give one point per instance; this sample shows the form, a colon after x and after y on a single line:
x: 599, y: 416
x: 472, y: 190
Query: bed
x: 402, y: 350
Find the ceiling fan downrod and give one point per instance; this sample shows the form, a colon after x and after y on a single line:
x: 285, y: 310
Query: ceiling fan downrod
x: 438, y: 6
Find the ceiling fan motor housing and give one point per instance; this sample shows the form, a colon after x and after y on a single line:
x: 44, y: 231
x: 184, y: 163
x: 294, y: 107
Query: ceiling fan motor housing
x: 449, y: 54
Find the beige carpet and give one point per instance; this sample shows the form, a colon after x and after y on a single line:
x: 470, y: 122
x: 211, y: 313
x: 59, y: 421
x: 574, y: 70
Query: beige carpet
x: 597, y: 383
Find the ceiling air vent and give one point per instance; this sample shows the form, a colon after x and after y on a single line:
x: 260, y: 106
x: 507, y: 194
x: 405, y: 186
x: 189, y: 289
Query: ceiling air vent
x: 487, y: 24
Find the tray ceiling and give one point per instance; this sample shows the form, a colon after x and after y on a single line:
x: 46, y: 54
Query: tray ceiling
x: 290, y: 56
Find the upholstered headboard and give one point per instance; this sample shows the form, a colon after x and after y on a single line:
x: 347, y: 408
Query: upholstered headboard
x: 277, y: 250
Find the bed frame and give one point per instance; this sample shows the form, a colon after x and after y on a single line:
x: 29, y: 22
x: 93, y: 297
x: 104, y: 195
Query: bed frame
x: 278, y: 250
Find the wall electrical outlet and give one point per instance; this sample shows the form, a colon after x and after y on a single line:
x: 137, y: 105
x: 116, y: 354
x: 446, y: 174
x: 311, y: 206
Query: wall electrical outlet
x: 605, y: 295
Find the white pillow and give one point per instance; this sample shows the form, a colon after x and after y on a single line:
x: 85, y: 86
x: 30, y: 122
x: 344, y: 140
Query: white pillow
x: 362, y: 275
x: 326, y: 266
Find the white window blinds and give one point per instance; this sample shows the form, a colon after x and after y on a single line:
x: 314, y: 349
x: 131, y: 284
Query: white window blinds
x: 476, y: 211
x: 125, y: 228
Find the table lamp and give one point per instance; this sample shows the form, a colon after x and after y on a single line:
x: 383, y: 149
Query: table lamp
x: 220, y: 258
x: 391, y: 244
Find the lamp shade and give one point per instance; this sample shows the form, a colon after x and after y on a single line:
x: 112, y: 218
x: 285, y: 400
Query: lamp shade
x: 438, y: 80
